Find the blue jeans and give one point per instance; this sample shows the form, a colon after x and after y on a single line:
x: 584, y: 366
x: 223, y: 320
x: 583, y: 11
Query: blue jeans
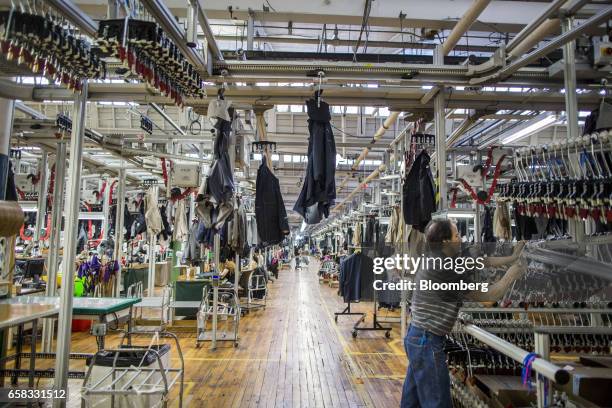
x: 427, y: 383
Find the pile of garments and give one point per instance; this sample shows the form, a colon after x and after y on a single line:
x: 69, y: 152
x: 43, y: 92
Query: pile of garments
x: 319, y: 188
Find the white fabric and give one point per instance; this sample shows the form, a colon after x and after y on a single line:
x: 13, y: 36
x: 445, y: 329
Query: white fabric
x: 217, y: 108
x: 181, y: 229
x: 152, y: 214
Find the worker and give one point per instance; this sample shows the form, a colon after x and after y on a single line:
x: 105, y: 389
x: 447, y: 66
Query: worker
x: 433, y: 315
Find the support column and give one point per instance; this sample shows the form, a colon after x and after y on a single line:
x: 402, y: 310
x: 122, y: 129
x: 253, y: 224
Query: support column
x: 106, y: 209
x: 250, y: 30
x: 7, y: 111
x: 119, y: 220
x: 440, y: 125
x: 7, y: 245
x: 569, y: 77
x: 70, y: 243
x: 42, y: 197
x: 55, y: 238
x: 542, y: 347
x: 112, y: 10
x: 571, y: 105
x: 152, y: 241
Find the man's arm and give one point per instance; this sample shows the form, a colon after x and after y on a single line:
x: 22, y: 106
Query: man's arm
x: 495, y: 261
x: 497, y: 290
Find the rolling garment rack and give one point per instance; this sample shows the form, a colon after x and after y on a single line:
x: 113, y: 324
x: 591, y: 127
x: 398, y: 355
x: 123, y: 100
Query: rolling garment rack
x: 126, y: 383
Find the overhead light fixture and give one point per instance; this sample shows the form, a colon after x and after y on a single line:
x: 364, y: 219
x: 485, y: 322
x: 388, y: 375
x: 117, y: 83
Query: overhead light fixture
x: 453, y: 213
x: 534, y: 126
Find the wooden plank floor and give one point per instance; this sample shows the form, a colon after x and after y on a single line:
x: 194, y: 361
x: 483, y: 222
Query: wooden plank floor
x: 292, y: 354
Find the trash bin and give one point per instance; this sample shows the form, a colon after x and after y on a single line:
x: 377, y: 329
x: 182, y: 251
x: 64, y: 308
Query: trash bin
x: 143, y: 358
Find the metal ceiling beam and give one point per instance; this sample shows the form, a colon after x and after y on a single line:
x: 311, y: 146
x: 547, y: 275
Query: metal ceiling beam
x: 208, y: 33
x: 76, y: 16
x: 174, y: 30
x: 371, y: 43
x: 550, y: 11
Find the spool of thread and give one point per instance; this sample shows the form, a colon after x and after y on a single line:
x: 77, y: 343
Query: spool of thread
x: 11, y: 218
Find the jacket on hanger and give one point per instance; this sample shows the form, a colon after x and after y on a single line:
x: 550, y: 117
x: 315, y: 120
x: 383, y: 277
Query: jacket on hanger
x: 419, y: 194
x: 356, y: 278
x: 220, y: 183
x: 181, y: 230
x: 152, y: 215
x: 270, y: 212
x: 501, y: 222
x: 192, y: 249
x: 319, y: 189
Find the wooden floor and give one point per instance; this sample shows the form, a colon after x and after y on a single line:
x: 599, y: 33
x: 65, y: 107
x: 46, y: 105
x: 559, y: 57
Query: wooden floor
x: 292, y: 354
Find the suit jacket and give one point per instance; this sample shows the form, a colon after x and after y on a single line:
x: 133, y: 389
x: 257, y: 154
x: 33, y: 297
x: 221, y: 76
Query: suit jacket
x: 419, y: 194
x: 270, y: 212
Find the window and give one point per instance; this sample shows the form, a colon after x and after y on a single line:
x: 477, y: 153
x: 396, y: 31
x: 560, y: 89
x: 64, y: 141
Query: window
x: 369, y: 110
x: 383, y: 112
x: 296, y: 108
x: 282, y: 108
x: 352, y: 109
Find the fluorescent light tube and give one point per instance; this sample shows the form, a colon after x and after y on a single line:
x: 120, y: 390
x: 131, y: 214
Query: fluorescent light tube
x: 530, y: 129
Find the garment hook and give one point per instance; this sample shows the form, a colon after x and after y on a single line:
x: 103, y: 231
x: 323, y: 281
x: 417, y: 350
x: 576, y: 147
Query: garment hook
x: 320, y: 74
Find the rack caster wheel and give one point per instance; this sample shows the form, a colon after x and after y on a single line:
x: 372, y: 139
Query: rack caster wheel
x: 388, y: 335
x: 336, y: 319
x: 235, y: 345
x: 198, y: 345
x: 354, y: 334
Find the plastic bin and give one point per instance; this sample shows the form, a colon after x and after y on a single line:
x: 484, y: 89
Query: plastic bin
x: 104, y: 364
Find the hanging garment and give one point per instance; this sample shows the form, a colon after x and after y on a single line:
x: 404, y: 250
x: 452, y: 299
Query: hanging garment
x: 501, y: 222
x: 218, y: 109
x: 220, y: 183
x: 166, y: 231
x: 419, y: 194
x: 487, y: 226
x: 270, y: 212
x: 319, y: 189
x: 192, y: 249
x: 388, y: 298
x: 152, y: 215
x: 181, y: 230
x: 357, y: 236
x: 238, y: 230
x: 356, y: 278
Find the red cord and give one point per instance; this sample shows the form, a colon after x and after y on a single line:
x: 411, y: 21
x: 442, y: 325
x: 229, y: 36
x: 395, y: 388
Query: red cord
x: 164, y: 171
x: 471, y: 191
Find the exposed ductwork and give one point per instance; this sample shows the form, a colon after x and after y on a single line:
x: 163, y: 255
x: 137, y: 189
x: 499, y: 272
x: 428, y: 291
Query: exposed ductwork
x: 372, y: 176
x: 366, y: 150
x: 464, y: 24
x: 548, y: 27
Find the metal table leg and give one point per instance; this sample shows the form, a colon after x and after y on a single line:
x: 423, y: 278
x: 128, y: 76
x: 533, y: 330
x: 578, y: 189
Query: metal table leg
x: 18, y: 352
x: 33, y: 354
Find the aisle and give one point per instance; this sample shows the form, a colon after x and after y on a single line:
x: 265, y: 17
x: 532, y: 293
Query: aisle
x: 292, y: 354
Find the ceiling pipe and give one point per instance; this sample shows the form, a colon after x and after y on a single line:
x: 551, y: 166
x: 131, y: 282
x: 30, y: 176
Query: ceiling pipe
x: 465, y: 125
x: 557, y: 42
x: 364, y: 183
x: 371, y: 43
x: 366, y: 150
x: 137, y: 152
x: 464, y: 24
x: 535, y: 24
x: 548, y: 27
x: 167, y: 118
x: 208, y: 33
x: 192, y: 24
x: 12, y: 90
